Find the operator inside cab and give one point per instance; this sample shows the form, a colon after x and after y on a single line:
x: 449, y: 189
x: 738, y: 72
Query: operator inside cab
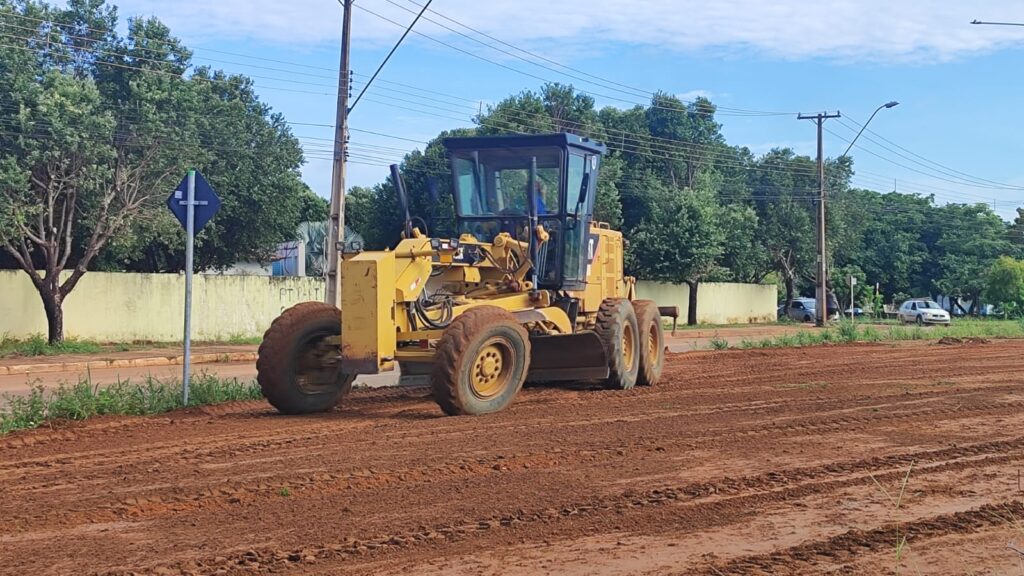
x: 492, y: 177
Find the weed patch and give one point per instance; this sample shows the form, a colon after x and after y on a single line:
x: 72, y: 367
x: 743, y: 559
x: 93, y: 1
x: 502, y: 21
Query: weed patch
x: 84, y: 400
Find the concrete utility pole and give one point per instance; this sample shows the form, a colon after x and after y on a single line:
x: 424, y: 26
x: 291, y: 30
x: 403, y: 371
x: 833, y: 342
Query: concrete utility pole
x: 821, y: 298
x: 336, y: 225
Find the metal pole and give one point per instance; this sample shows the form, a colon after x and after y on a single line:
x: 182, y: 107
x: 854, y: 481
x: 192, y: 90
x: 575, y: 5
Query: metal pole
x: 190, y: 230
x: 862, y: 128
x: 851, y: 297
x: 336, y: 226
x: 822, y: 285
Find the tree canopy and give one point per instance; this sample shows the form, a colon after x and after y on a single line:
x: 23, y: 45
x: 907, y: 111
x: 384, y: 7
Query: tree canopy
x: 694, y: 209
x: 97, y: 129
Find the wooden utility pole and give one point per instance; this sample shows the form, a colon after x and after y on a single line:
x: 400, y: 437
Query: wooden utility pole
x: 822, y: 291
x: 336, y: 225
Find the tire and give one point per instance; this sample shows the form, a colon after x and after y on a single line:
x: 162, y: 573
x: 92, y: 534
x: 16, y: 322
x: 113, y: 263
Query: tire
x: 807, y: 318
x: 652, y: 342
x: 920, y: 321
x: 481, y: 362
x: 618, y: 330
x: 293, y: 370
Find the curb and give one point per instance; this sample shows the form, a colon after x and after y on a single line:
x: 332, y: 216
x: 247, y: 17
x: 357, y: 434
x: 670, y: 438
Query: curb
x: 29, y: 369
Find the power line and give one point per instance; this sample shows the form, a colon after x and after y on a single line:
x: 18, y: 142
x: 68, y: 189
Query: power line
x: 939, y: 165
x: 391, y: 53
x: 516, y: 70
x: 607, y: 83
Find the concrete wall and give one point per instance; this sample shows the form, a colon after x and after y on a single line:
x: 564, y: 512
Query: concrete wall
x: 124, y: 307
x: 717, y: 302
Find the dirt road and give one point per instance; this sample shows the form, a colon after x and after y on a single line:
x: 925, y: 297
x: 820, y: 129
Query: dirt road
x: 742, y: 462
x: 22, y: 384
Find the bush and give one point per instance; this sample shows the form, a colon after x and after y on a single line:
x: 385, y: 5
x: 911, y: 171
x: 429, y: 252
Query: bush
x: 848, y: 331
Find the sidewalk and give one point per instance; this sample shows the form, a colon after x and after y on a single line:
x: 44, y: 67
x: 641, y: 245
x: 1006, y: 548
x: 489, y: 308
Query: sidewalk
x: 135, y: 359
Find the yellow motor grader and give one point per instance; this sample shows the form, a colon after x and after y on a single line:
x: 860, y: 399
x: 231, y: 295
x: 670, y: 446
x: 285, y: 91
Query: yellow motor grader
x: 531, y: 290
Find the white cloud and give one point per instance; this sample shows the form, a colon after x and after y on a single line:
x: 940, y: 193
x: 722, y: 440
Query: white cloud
x: 875, y: 30
x: 692, y: 95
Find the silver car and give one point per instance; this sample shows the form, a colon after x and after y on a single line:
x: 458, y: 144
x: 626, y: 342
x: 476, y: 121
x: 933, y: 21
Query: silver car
x: 801, y: 309
x: 922, y: 311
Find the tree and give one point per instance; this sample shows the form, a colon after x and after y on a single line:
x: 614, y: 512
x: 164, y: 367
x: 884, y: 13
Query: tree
x: 1005, y: 284
x: 744, y: 258
x: 359, y: 210
x: 682, y: 242
x: 98, y: 130
x: 781, y: 184
x: 972, y: 237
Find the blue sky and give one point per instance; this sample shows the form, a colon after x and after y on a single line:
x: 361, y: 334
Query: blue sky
x: 956, y: 133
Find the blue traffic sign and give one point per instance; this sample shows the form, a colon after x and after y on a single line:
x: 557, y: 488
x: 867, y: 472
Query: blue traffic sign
x: 206, y: 202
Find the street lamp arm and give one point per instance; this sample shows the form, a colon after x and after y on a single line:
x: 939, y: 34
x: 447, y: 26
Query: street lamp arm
x: 862, y: 128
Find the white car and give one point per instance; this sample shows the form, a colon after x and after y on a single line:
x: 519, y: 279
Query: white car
x: 922, y: 311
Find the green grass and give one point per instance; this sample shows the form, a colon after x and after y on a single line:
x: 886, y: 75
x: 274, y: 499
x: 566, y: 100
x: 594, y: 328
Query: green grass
x: 38, y: 346
x: 719, y: 344
x: 84, y: 400
x: 846, y: 332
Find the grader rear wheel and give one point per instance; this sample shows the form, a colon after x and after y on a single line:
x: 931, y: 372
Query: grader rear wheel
x: 295, y: 368
x: 618, y: 330
x: 481, y: 362
x: 652, y: 342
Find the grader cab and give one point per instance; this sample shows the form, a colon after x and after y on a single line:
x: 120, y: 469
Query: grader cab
x: 532, y: 289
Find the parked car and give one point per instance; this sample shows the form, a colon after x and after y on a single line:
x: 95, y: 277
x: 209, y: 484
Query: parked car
x: 922, y: 311
x: 857, y: 311
x: 801, y: 309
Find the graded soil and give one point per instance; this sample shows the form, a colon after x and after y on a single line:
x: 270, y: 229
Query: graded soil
x: 860, y: 459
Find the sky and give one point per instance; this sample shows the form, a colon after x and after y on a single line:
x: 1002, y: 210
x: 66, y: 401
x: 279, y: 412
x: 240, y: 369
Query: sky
x: 956, y: 132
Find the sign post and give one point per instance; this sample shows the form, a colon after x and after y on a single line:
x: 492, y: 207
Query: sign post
x: 193, y: 203
x: 853, y: 282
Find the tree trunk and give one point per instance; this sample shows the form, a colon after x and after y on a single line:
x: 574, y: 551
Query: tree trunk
x: 691, y: 312
x: 52, y: 305
x: 789, y: 293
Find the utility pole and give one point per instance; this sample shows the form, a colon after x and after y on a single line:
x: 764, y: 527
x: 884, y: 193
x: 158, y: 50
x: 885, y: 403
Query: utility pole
x: 821, y: 298
x: 336, y: 225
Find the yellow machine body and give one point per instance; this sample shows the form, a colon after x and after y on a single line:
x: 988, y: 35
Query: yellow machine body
x: 532, y: 288
x: 378, y: 288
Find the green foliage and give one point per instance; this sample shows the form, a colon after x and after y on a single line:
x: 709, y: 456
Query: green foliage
x: 1005, y: 284
x: 682, y: 241
x: 970, y: 240
x: 848, y: 331
x: 99, y: 126
x: 719, y: 343
x: 37, y: 345
x: 84, y: 400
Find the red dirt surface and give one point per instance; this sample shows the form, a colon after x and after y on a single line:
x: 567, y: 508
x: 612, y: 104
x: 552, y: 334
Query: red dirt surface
x: 783, y: 461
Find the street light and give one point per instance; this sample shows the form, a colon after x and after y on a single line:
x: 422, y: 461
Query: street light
x: 976, y: 21
x: 891, y: 104
x: 886, y: 105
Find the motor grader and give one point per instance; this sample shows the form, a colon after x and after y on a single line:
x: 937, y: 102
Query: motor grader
x: 532, y: 289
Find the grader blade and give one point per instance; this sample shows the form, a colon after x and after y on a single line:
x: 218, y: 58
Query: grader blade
x: 579, y: 356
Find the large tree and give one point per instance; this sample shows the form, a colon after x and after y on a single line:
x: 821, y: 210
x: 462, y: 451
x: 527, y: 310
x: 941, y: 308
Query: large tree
x: 970, y: 240
x: 682, y: 242
x: 97, y: 130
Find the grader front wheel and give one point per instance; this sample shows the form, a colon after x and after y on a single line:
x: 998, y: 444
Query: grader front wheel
x: 295, y: 368
x: 481, y: 362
